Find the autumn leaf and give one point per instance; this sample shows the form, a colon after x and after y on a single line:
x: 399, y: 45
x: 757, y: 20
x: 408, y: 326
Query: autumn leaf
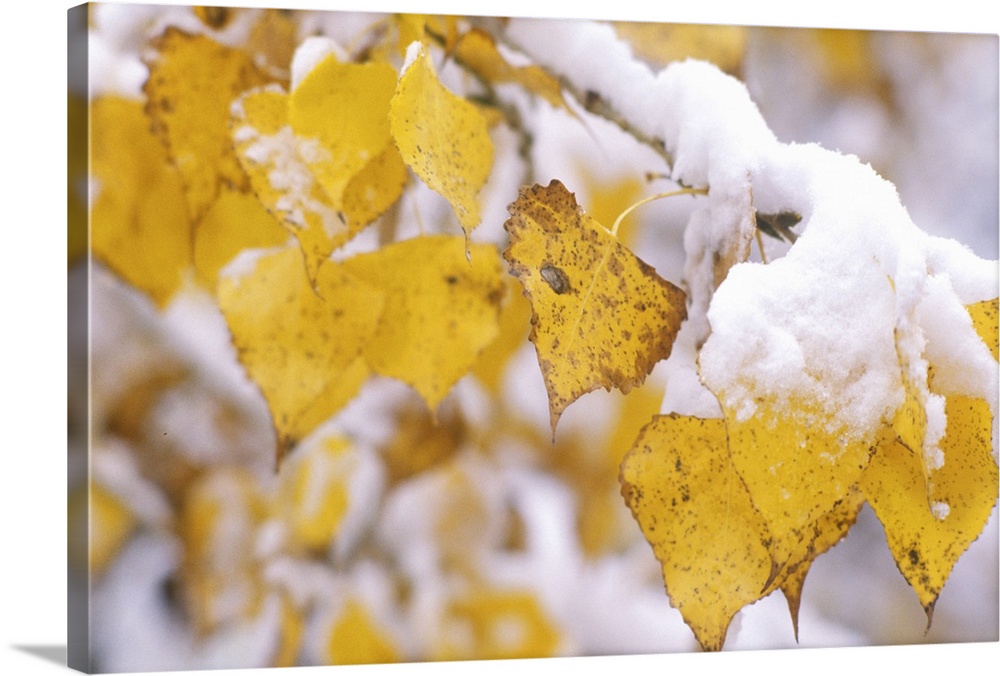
x: 984, y: 320
x: 325, y: 170
x: 235, y: 221
x: 797, y: 467
x: 515, y: 314
x: 357, y: 638
x: 442, y: 137
x: 601, y: 317
x: 661, y: 43
x: 193, y: 81
x: 111, y: 522
x: 824, y: 533
x: 497, y: 624
x: 352, y: 134
x: 696, y: 513
x: 313, y: 495
x: 926, y: 538
x: 216, y: 520
x: 417, y: 27
x: 440, y: 310
x: 139, y: 224
x: 302, y: 347
x: 477, y: 50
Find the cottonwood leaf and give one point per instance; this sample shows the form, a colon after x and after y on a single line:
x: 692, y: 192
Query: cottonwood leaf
x: 926, y: 539
x: 477, y: 50
x: 662, y: 43
x: 293, y: 173
x: 193, y: 81
x: 139, y: 224
x: 696, y: 513
x: 515, y: 314
x: 357, y: 638
x: 217, y: 519
x: 601, y: 317
x: 111, y: 522
x: 824, y: 533
x: 235, y: 221
x: 441, y: 310
x: 418, y: 27
x: 797, y: 466
x: 497, y: 623
x: 442, y: 137
x: 345, y: 108
x: 313, y: 495
x: 984, y: 320
x: 301, y: 346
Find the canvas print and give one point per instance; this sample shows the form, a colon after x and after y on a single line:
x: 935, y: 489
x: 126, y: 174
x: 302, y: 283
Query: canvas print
x: 406, y: 338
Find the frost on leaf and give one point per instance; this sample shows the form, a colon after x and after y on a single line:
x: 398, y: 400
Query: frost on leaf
x: 302, y: 347
x: 440, y: 310
x: 192, y: 82
x: 442, y: 137
x: 139, y: 224
x: 601, y: 317
x: 696, y: 513
x: 928, y: 533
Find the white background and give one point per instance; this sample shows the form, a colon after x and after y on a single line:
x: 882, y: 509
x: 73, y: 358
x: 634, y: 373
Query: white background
x: 33, y: 354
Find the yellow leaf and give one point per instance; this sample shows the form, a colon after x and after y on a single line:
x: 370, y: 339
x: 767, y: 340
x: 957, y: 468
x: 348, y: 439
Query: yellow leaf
x: 301, y: 347
x: 374, y: 189
x: 696, y: 513
x: 236, y: 221
x: 601, y: 317
x: 984, y: 319
x: 442, y: 137
x: 345, y: 107
x: 827, y: 531
x: 927, y: 539
x: 292, y: 627
x: 276, y: 161
x: 216, y: 522
x: 314, y: 495
x: 797, y: 468
x: 417, y: 28
x: 111, y: 523
x: 515, y: 315
x: 272, y: 43
x: 440, y: 311
x: 477, y: 50
x: 357, y: 638
x: 215, y: 17
x: 422, y: 441
x: 662, y: 43
x: 607, y: 199
x: 497, y: 624
x: 193, y: 81
x: 139, y: 224
x: 297, y: 176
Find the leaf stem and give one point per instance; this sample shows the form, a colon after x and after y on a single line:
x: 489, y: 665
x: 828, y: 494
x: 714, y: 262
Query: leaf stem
x: 652, y: 198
